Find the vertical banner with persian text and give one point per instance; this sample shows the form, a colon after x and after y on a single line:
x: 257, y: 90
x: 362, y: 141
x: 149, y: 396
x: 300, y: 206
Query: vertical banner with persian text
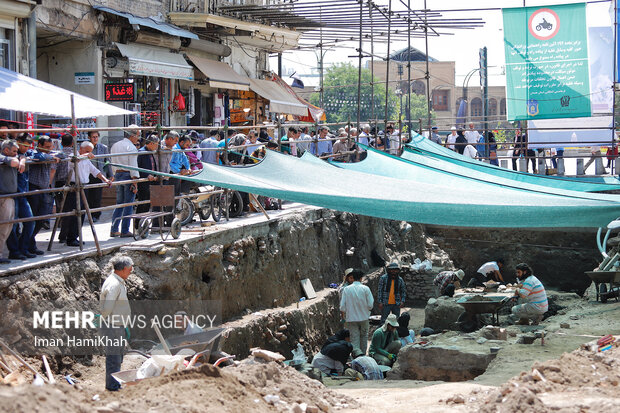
x: 547, y: 72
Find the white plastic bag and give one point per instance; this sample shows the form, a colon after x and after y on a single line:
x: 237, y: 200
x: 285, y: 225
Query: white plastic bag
x: 153, y: 367
x: 299, y: 357
x: 426, y: 265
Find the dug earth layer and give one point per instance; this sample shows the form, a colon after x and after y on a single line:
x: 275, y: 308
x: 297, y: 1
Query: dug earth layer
x: 558, y: 258
x: 247, y: 269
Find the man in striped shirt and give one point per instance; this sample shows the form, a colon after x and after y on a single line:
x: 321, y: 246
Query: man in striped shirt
x: 532, y: 292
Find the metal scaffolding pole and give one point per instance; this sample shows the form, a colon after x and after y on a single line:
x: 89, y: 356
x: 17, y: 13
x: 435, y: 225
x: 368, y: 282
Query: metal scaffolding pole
x: 372, y: 71
x: 387, y: 76
x: 408, y: 68
x: 359, y: 71
x: 428, y: 73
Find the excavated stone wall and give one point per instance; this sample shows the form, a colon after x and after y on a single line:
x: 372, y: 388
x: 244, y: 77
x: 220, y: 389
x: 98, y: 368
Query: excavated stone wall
x: 558, y: 258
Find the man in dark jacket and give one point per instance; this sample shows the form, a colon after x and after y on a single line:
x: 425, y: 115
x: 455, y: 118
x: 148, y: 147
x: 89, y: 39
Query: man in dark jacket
x: 334, y: 353
x: 392, y: 292
x: 10, y: 165
x: 147, y: 161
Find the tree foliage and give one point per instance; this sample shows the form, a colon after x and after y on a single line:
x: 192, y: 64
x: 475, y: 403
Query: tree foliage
x: 340, y: 95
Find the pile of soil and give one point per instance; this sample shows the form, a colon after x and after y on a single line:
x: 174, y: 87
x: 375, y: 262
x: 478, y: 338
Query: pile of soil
x: 289, y: 385
x: 582, y: 380
x: 29, y: 398
x: 252, y: 385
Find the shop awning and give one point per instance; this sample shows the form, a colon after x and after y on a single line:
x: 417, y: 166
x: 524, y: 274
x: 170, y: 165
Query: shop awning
x: 155, y: 61
x: 220, y: 75
x: 280, y: 101
x: 315, y: 113
x: 163, y: 27
x: 25, y: 94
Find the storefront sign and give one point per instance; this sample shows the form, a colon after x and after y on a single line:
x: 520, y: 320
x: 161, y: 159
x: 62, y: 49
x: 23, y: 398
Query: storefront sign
x: 119, y: 92
x: 84, y: 78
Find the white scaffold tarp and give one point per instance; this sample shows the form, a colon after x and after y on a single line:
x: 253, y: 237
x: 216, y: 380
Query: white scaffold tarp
x: 25, y: 94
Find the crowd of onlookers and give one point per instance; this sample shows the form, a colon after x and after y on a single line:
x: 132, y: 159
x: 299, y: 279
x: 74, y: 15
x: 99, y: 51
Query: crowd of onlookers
x: 29, y: 164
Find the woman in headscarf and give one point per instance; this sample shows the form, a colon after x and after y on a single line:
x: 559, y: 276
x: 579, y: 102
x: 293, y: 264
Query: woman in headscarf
x: 405, y: 335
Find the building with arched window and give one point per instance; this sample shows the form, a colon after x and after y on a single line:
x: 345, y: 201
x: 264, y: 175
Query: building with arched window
x: 445, y: 95
x: 475, y: 109
x: 492, y: 108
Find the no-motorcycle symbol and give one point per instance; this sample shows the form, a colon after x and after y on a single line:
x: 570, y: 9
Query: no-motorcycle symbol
x: 544, y: 24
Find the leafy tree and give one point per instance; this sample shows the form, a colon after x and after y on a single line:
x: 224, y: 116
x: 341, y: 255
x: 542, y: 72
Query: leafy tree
x: 418, y: 111
x: 340, y: 95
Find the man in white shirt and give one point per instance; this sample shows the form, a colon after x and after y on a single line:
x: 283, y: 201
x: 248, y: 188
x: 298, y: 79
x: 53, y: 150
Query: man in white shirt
x: 364, y: 137
x: 85, y: 169
x: 355, y: 305
x: 451, y: 139
x: 125, y: 193
x: 472, y: 135
x: 487, y: 271
x: 304, y: 140
x: 114, y: 308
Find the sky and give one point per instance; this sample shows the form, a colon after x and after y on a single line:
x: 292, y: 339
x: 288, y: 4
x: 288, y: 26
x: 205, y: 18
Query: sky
x: 462, y: 47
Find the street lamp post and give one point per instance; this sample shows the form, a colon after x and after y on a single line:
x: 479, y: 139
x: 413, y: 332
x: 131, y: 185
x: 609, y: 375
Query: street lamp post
x: 465, y: 86
x: 400, y: 91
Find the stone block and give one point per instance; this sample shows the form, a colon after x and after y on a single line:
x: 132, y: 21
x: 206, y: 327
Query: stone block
x: 445, y: 363
x: 494, y: 333
x: 442, y: 313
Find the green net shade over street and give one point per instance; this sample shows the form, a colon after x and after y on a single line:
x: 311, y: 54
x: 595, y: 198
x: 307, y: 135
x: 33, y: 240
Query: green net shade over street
x: 312, y: 181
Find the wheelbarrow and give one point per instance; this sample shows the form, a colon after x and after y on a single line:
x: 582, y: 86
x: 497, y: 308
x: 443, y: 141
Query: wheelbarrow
x: 487, y: 304
x: 200, y: 344
x: 601, y: 279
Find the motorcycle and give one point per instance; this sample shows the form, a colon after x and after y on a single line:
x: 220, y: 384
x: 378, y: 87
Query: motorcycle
x: 544, y: 25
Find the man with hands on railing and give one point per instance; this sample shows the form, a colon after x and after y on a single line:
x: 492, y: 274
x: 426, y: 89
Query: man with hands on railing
x: 10, y: 165
x: 85, y: 169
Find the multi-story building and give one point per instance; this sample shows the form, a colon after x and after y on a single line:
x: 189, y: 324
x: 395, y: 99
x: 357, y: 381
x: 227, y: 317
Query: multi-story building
x: 175, y: 62
x: 445, y: 94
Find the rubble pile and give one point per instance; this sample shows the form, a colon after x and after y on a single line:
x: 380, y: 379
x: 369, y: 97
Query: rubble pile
x: 582, y: 380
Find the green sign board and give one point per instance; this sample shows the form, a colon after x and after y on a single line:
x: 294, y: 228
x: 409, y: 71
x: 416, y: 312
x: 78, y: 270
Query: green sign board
x: 546, y: 62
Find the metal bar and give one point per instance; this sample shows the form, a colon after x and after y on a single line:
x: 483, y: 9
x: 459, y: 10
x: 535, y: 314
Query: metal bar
x: 408, y: 68
x: 359, y: 72
x: 427, y: 74
x: 387, y: 78
x: 90, y: 222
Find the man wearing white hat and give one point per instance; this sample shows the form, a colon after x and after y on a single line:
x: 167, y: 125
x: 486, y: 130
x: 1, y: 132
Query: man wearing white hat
x: 385, y: 344
x: 448, y: 281
x: 451, y: 139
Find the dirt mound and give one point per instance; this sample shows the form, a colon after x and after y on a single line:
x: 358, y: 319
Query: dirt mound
x: 252, y: 385
x: 578, y: 380
x: 29, y: 398
x: 207, y: 389
x: 288, y: 384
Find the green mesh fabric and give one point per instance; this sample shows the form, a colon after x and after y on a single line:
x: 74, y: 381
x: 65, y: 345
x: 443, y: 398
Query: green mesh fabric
x: 427, y: 169
x: 421, y: 145
x: 312, y: 181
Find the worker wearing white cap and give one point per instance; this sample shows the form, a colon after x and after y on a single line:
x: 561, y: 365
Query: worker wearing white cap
x: 448, y: 281
x: 385, y: 344
x: 451, y: 139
